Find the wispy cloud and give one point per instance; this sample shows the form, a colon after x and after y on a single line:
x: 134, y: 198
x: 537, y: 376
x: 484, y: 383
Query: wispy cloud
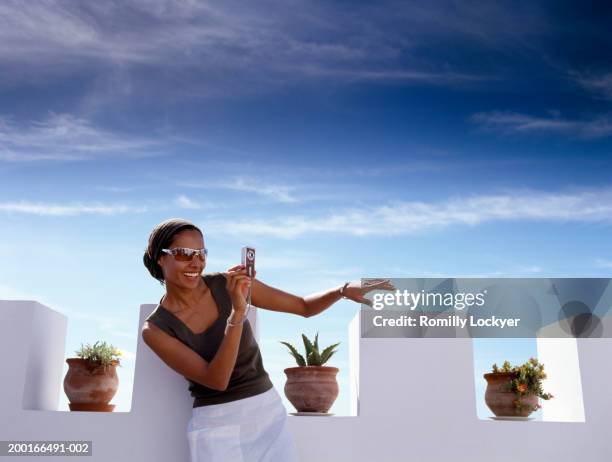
x: 64, y: 137
x: 185, y: 202
x: 513, y: 122
x: 276, y: 192
x: 285, y: 261
x: 111, y: 324
x: 28, y: 207
x: 48, y: 209
x: 208, y: 46
x: 414, y: 217
x: 598, y: 84
x: 390, y: 75
x: 280, y: 193
x: 320, y: 179
x: 116, y: 189
x: 351, y: 271
x: 509, y: 270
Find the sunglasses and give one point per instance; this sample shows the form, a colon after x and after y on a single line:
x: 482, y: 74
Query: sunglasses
x: 186, y: 254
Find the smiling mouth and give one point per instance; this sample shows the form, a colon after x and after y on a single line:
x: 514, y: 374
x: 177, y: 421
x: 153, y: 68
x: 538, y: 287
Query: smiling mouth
x: 192, y: 275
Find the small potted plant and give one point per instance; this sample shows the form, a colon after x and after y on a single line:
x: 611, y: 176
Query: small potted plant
x: 91, y: 380
x: 513, y: 391
x: 311, y: 387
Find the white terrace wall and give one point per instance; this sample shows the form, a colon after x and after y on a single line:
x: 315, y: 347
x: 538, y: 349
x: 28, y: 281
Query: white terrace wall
x: 416, y: 401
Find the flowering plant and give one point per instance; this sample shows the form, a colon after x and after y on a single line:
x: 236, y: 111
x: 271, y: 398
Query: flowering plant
x: 527, y: 380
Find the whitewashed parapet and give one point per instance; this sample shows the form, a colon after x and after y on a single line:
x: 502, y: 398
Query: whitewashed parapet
x: 416, y: 402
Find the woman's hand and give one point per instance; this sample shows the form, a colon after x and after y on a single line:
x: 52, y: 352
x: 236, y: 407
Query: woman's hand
x: 237, y: 284
x: 356, y: 291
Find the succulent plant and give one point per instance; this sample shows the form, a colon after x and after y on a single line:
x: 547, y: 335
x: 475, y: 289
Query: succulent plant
x: 527, y: 380
x: 314, y: 357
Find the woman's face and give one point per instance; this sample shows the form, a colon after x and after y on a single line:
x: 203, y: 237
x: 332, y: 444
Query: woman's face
x: 184, y: 274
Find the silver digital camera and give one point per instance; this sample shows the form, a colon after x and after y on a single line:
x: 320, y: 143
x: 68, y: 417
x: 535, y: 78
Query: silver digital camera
x: 248, y: 260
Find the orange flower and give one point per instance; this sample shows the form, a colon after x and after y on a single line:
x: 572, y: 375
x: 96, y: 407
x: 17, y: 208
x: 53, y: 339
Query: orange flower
x: 521, y: 387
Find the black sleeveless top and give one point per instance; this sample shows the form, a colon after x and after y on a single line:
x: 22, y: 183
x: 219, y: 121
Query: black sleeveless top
x: 248, y: 377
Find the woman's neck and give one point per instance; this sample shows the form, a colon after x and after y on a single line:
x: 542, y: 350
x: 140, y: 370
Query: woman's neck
x: 179, y: 299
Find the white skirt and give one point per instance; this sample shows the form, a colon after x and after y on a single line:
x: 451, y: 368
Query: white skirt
x: 252, y: 429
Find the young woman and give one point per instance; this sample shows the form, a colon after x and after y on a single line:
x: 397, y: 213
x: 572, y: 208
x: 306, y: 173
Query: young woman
x: 200, y: 330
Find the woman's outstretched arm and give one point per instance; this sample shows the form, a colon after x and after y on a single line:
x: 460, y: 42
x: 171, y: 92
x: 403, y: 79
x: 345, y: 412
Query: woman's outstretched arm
x: 270, y: 298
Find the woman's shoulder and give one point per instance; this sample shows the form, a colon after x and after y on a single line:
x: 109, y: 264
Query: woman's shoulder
x: 159, y: 319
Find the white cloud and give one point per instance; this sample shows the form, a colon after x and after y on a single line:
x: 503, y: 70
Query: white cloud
x: 284, y: 261
x: 598, y: 84
x: 280, y: 193
x: 390, y: 75
x: 185, y: 202
x: 210, y: 47
x: 47, y: 209
x: 347, y: 272
x: 109, y: 325
x: 115, y: 189
x: 64, y: 137
x: 102, y: 321
x: 510, y: 270
x: 512, y: 122
x: 414, y: 217
x: 260, y: 187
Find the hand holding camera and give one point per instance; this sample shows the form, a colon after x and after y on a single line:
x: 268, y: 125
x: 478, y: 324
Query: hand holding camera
x: 239, y: 279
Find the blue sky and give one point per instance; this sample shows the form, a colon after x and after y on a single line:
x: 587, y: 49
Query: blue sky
x: 343, y: 140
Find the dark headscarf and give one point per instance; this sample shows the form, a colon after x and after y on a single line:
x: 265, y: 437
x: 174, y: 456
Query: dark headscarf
x: 161, y: 237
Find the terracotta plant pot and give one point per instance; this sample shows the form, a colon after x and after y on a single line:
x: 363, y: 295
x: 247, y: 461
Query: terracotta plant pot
x: 90, y: 387
x: 311, y: 388
x: 501, y: 401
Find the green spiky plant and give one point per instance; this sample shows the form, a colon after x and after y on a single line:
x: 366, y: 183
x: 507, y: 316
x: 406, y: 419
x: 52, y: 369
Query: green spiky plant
x: 100, y: 354
x: 313, y: 356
